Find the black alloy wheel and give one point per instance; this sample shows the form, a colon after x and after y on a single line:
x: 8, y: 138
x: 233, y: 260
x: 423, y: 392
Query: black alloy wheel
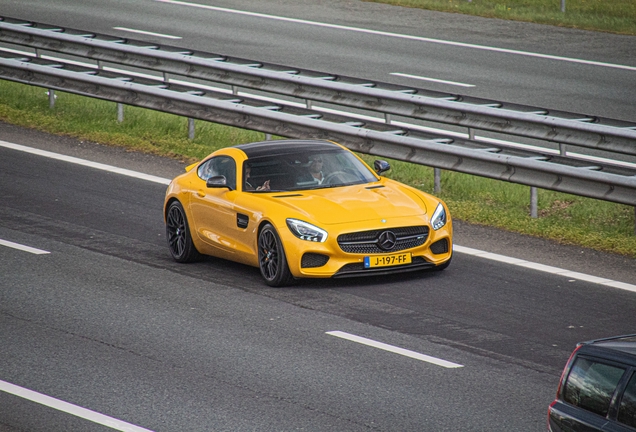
x: 178, y: 235
x: 271, y: 258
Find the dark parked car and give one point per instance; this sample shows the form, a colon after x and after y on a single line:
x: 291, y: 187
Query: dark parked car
x: 597, y: 391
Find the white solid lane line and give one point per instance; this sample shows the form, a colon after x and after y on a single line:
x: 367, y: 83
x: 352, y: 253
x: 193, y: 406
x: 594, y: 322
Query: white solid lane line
x: 401, y: 36
x: 456, y: 248
x: 23, y: 247
x: 147, y: 33
x: 84, y: 162
x: 435, y: 80
x: 66, y: 407
x: 394, y: 349
x: 545, y: 268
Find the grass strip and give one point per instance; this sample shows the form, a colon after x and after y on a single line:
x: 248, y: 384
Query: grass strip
x: 613, y: 16
x: 568, y: 219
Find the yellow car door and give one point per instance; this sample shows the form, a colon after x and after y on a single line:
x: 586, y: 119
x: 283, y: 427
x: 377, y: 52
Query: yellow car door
x: 212, y: 203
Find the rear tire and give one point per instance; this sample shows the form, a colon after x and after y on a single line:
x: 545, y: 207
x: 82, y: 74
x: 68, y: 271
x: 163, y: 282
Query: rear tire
x: 272, y: 260
x: 178, y: 235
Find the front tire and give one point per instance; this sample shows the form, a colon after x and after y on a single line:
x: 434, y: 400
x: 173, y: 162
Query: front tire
x: 178, y: 235
x: 271, y: 258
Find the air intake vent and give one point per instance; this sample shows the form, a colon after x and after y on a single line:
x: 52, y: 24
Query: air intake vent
x: 440, y: 247
x: 312, y: 260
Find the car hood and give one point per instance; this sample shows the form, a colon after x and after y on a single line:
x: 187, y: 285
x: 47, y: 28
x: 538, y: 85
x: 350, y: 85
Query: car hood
x: 353, y: 203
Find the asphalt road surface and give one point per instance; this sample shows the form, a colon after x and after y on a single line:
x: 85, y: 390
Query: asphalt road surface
x: 108, y: 322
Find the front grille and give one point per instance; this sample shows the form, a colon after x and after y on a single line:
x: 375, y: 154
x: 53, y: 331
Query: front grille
x: 312, y: 260
x: 366, y: 242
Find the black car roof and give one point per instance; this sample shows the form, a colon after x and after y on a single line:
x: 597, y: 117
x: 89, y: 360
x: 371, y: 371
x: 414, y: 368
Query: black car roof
x: 625, y: 343
x: 281, y: 147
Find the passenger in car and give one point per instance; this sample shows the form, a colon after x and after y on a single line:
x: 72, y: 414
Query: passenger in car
x: 248, y: 186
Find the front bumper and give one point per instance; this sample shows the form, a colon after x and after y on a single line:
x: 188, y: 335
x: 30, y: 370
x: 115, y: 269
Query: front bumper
x: 357, y: 269
x: 323, y: 260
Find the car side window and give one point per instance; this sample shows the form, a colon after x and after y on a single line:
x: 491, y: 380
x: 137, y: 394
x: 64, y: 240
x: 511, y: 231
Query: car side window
x: 220, y: 165
x: 627, y: 408
x: 591, y: 385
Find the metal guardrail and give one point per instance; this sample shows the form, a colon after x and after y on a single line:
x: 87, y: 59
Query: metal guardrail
x: 512, y: 119
x: 537, y: 168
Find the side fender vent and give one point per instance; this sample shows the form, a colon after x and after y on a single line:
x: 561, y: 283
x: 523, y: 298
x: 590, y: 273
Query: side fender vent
x: 242, y: 220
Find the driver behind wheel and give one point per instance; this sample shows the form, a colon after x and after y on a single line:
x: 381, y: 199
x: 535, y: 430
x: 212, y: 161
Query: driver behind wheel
x: 314, y: 170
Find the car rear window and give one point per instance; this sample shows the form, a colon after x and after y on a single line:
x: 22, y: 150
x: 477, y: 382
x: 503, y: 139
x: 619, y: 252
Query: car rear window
x: 591, y: 385
x: 627, y: 408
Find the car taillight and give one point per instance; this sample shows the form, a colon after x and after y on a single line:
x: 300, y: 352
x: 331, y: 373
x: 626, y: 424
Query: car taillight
x: 550, y: 409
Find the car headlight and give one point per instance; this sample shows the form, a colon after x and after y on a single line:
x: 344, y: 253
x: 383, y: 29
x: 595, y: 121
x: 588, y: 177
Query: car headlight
x: 439, y: 217
x: 306, y: 231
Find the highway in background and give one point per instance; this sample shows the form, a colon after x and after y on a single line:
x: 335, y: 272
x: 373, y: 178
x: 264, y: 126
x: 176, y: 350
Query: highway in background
x: 578, y: 71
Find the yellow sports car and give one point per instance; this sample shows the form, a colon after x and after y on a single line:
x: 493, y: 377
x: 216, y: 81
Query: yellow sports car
x: 304, y: 209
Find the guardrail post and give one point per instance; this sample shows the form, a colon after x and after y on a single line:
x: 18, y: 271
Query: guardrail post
x: 437, y: 182
x: 120, y: 112
x: 268, y: 137
x: 190, y: 128
x: 52, y: 96
x: 563, y: 6
x: 533, y: 202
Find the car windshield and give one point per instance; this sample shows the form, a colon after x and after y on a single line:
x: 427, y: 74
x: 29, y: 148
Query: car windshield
x: 302, y: 171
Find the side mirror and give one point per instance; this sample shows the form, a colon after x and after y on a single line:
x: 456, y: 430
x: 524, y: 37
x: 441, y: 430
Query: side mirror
x: 218, y: 181
x: 381, y: 166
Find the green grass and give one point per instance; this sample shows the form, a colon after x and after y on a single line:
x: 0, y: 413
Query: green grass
x: 565, y: 218
x: 615, y: 16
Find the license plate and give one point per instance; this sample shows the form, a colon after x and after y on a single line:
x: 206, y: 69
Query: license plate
x: 387, y: 260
